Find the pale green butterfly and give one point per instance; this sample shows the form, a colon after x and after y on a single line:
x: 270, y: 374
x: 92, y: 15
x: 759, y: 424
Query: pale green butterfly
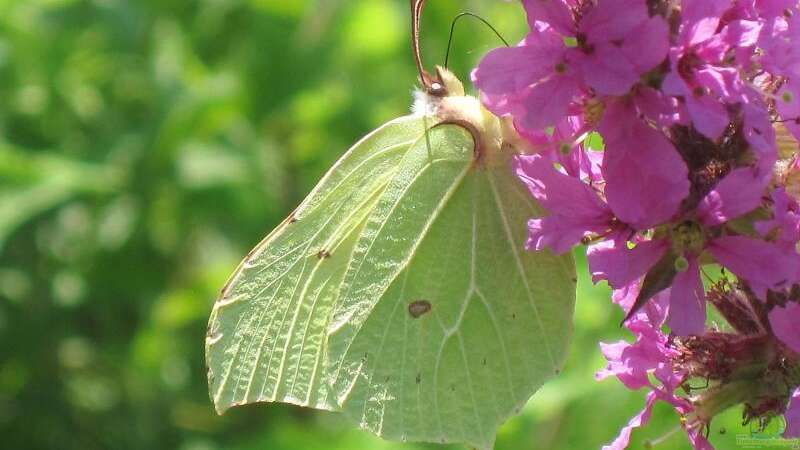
x: 399, y: 291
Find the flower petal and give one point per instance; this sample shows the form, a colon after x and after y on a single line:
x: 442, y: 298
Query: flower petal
x: 646, y: 179
x: 629, y: 363
x: 574, y: 207
x: 785, y: 219
x: 687, y: 306
x: 762, y: 264
x: 545, y: 104
x: 773, y: 8
x: 785, y: 323
x: 607, y: 70
x: 556, y: 191
x: 738, y: 193
x: 708, y: 115
x: 674, y: 83
x: 701, y: 19
x: 624, y: 438
x: 558, y: 233
x: 760, y: 134
x: 697, y: 31
x: 698, y: 439
x: 613, y: 19
x: 656, y: 106
x: 647, y: 45
x: 509, y: 71
x: 792, y: 417
x: 654, y: 312
x: 788, y: 106
x: 743, y: 33
x: 555, y: 13
x: 722, y: 82
x: 778, y: 41
x: 614, y: 262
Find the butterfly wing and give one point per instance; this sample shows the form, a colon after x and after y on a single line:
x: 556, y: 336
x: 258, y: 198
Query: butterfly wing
x: 448, y: 233
x: 266, y: 335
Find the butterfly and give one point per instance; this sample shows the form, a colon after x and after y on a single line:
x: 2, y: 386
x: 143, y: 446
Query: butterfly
x: 399, y: 292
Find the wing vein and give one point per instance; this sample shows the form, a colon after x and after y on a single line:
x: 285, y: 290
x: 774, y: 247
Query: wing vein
x: 433, y: 216
x: 521, y: 270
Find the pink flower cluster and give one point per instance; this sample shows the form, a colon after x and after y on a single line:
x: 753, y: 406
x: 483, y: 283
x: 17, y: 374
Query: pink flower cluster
x: 689, y: 97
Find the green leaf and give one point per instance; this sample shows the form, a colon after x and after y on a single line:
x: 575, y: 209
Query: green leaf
x: 399, y: 292
x: 658, y: 278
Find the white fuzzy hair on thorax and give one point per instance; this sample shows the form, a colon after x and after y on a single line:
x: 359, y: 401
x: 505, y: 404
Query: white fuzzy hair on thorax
x: 424, y: 104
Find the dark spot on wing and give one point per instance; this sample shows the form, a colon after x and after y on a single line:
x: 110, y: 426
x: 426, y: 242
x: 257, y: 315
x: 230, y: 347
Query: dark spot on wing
x: 323, y: 254
x: 484, y: 361
x: 419, y: 307
x: 574, y: 279
x: 419, y: 378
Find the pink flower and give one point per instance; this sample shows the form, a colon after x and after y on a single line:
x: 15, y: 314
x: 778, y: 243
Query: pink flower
x: 663, y: 110
x: 760, y: 134
x: 785, y: 322
x: 562, y: 145
x: 575, y: 208
x: 737, y: 194
x: 646, y: 179
x: 759, y: 9
x: 540, y: 80
x: 781, y: 57
x: 762, y: 264
x: 617, y: 41
x: 531, y: 81
x: 788, y: 105
x: 699, y: 71
x: 651, y: 353
x: 778, y: 39
x: 614, y: 262
x: 785, y: 221
x: 632, y: 364
x: 686, y: 114
x: 773, y: 8
x: 647, y: 182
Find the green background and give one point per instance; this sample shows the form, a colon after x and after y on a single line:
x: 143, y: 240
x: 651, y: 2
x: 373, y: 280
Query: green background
x: 145, y: 146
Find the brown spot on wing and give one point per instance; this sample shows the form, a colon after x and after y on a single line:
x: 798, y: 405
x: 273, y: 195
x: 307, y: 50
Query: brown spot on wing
x: 417, y: 308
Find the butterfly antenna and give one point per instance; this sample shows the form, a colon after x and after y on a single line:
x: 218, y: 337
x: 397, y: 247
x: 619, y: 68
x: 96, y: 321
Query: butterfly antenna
x: 453, y: 29
x: 432, y: 86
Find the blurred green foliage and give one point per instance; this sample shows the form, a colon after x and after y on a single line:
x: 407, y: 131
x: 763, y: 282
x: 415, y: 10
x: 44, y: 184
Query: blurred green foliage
x: 145, y: 146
